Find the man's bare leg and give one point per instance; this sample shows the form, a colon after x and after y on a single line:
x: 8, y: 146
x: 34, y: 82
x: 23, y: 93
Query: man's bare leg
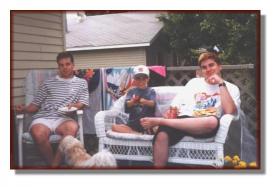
x: 40, y: 134
x: 160, y: 150
x: 66, y: 128
x: 196, y: 126
x: 122, y: 128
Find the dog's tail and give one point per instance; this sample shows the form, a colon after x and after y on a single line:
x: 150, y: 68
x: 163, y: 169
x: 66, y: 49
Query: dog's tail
x: 102, y: 159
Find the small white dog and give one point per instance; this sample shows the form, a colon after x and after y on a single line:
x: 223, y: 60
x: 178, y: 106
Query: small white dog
x: 76, y: 155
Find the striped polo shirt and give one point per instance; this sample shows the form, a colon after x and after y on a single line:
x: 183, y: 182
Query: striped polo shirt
x: 56, y: 93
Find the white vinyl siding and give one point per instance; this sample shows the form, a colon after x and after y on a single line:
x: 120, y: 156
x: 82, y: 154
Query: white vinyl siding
x: 36, y: 40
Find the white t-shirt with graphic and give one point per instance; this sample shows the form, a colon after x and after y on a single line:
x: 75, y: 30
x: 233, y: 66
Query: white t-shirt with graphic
x: 203, y: 99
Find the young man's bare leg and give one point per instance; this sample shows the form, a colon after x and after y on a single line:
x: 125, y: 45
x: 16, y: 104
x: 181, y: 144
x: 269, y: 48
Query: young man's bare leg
x: 196, y: 126
x: 160, y: 150
x: 65, y: 129
x: 40, y: 134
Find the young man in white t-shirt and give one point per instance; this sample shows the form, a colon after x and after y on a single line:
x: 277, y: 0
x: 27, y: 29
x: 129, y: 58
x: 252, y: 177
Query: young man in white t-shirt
x: 196, y: 111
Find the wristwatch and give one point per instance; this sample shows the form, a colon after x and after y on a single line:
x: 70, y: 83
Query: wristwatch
x: 222, y: 84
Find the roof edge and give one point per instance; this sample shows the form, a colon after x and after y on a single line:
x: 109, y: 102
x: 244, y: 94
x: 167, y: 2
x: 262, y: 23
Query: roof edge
x: 107, y: 47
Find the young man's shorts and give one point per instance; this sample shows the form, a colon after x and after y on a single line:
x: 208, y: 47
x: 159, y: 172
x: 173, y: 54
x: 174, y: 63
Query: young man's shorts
x: 176, y: 135
x: 52, y: 124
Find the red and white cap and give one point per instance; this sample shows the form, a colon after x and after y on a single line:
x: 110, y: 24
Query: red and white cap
x: 141, y: 69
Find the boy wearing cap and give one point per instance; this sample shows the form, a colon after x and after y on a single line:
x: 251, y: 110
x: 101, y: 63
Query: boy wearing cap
x: 200, y: 107
x: 139, y: 103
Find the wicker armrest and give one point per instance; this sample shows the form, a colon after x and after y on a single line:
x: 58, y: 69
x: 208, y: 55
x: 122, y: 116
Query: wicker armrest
x: 105, y: 119
x: 100, y: 123
x: 225, y: 122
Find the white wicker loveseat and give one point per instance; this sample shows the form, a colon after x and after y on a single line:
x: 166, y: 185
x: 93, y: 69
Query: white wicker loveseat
x: 189, y: 150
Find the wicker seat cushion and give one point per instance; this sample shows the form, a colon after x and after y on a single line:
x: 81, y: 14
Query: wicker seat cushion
x: 126, y: 136
x: 192, y: 139
x: 146, y: 137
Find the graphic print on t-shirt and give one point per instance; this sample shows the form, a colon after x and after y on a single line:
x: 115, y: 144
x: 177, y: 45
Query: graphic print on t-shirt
x: 205, y: 104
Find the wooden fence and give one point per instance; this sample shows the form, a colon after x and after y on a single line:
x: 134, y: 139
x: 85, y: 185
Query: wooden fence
x: 244, y: 76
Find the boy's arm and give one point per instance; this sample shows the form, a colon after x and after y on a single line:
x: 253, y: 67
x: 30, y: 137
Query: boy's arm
x: 150, y: 102
x: 131, y: 98
x: 146, y: 102
x: 130, y: 103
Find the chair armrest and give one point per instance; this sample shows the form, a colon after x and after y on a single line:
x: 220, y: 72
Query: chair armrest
x: 100, y: 124
x: 79, y: 112
x: 19, y: 116
x: 225, y: 122
x: 19, y: 122
x: 80, y: 123
x: 104, y: 121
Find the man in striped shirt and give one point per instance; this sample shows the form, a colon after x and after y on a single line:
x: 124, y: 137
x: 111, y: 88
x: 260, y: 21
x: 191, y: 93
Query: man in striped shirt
x: 64, y: 90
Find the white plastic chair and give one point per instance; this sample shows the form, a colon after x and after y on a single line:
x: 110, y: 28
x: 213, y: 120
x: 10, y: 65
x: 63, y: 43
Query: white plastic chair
x: 32, y: 82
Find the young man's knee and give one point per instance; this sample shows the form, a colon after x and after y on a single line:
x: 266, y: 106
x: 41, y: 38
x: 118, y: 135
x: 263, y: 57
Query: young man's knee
x: 212, y: 122
x: 40, y: 135
x: 74, y: 127
x: 69, y: 128
x: 162, y: 137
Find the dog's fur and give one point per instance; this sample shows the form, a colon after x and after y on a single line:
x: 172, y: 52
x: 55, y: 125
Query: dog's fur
x: 77, y: 157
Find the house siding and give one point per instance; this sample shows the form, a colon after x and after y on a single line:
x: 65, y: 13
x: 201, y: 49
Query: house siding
x: 36, y: 40
x: 110, y: 58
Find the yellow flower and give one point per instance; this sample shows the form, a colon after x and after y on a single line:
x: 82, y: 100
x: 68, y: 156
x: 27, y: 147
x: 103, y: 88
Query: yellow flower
x: 235, y: 162
x: 236, y: 157
x: 243, y: 164
x: 252, y: 165
x: 228, y: 158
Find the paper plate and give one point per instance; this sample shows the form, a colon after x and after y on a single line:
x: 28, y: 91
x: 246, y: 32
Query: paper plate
x: 66, y: 109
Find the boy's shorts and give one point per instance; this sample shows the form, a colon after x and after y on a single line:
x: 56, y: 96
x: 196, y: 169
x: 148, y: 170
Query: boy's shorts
x: 176, y: 135
x: 52, y: 124
x: 135, y: 125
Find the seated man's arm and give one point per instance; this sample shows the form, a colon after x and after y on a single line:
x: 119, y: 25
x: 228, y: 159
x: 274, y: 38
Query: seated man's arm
x: 227, y: 102
x: 77, y: 105
x: 31, y: 108
x: 228, y: 96
x: 230, y: 99
x: 83, y: 97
